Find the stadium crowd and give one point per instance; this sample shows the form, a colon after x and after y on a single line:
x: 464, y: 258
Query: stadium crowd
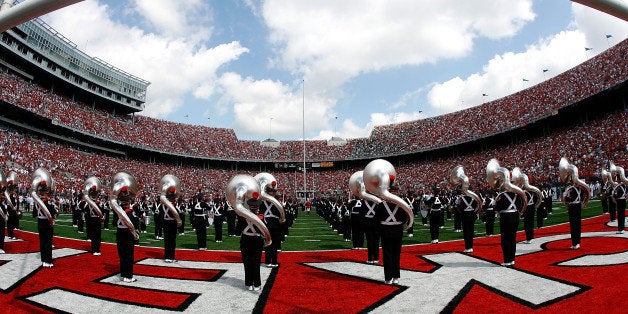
x: 590, y: 146
x: 589, y: 78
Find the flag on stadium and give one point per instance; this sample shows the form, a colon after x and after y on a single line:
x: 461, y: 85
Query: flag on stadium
x: 545, y: 70
x: 484, y: 95
x: 587, y: 49
x: 526, y: 80
x: 608, y: 36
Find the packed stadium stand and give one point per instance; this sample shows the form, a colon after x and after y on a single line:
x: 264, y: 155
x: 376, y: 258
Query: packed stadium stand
x: 77, y: 116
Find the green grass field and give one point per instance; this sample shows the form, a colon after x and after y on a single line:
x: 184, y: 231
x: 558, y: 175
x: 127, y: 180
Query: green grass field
x: 310, y: 232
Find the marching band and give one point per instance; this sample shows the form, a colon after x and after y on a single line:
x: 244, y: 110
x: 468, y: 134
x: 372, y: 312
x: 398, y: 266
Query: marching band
x: 375, y: 212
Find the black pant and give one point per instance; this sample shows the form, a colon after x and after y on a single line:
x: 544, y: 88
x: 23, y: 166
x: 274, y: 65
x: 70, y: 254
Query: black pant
x: 468, y: 228
x: 218, y: 220
x: 2, y: 225
x: 251, y: 249
x: 94, y: 233
x: 181, y: 229
x: 12, y: 223
x: 201, y: 231
x: 231, y: 223
x: 436, y: 219
x: 126, y: 250
x: 170, y: 238
x: 508, y: 224
x: 540, y: 215
x: 605, y: 201
x: 106, y: 221
x: 575, y: 222
x: 45, y: 240
x: 457, y: 220
x: 391, y: 250
x: 528, y: 222
x: 159, y: 226
x: 270, y: 256
x: 621, y: 214
x: 357, y: 233
x: 490, y: 222
x: 612, y: 210
x: 372, y: 241
x: 80, y: 222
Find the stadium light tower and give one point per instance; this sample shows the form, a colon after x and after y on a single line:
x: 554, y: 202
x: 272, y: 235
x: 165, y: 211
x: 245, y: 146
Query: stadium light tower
x: 13, y: 15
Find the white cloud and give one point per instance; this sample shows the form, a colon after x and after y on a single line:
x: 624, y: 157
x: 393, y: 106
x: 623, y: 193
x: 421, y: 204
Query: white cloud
x: 176, y: 18
x: 175, y: 65
x: 504, y: 74
x: 333, y: 41
x: 255, y: 102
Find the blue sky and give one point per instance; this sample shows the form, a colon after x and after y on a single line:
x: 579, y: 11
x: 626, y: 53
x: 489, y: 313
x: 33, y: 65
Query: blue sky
x: 253, y: 65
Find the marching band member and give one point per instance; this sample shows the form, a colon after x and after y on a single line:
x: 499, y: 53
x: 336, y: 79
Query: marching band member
x: 14, y: 213
x: 88, y: 204
x: 379, y: 176
x: 123, y: 190
x: 43, y: 186
x: 391, y: 218
x: 575, y: 197
x: 371, y: 231
x: 251, y: 244
x: 409, y: 199
x: 170, y: 187
x: 489, y: 213
x: 468, y: 205
x: 199, y: 221
x: 509, y: 204
x: 218, y: 210
x: 357, y: 207
x: 272, y: 220
x: 619, y: 196
x: 4, y: 207
x: 158, y: 217
x: 435, y: 206
x: 535, y: 197
x: 243, y: 189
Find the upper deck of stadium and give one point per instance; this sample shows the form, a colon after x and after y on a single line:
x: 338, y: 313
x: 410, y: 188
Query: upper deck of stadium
x: 80, y: 115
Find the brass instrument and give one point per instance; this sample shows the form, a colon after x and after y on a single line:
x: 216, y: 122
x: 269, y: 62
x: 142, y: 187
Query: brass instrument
x: 12, y: 186
x: 499, y: 178
x: 241, y: 188
x: 170, y: 188
x: 266, y: 179
x: 457, y: 176
x: 378, y: 175
x: 568, y: 173
x: 521, y: 180
x: 356, y: 185
x: 42, y: 183
x: 91, y: 190
x: 123, y: 189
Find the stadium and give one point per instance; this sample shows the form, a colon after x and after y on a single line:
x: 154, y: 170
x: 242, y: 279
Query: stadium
x: 78, y: 116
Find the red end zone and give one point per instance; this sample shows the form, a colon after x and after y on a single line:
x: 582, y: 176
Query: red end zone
x: 548, y: 277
